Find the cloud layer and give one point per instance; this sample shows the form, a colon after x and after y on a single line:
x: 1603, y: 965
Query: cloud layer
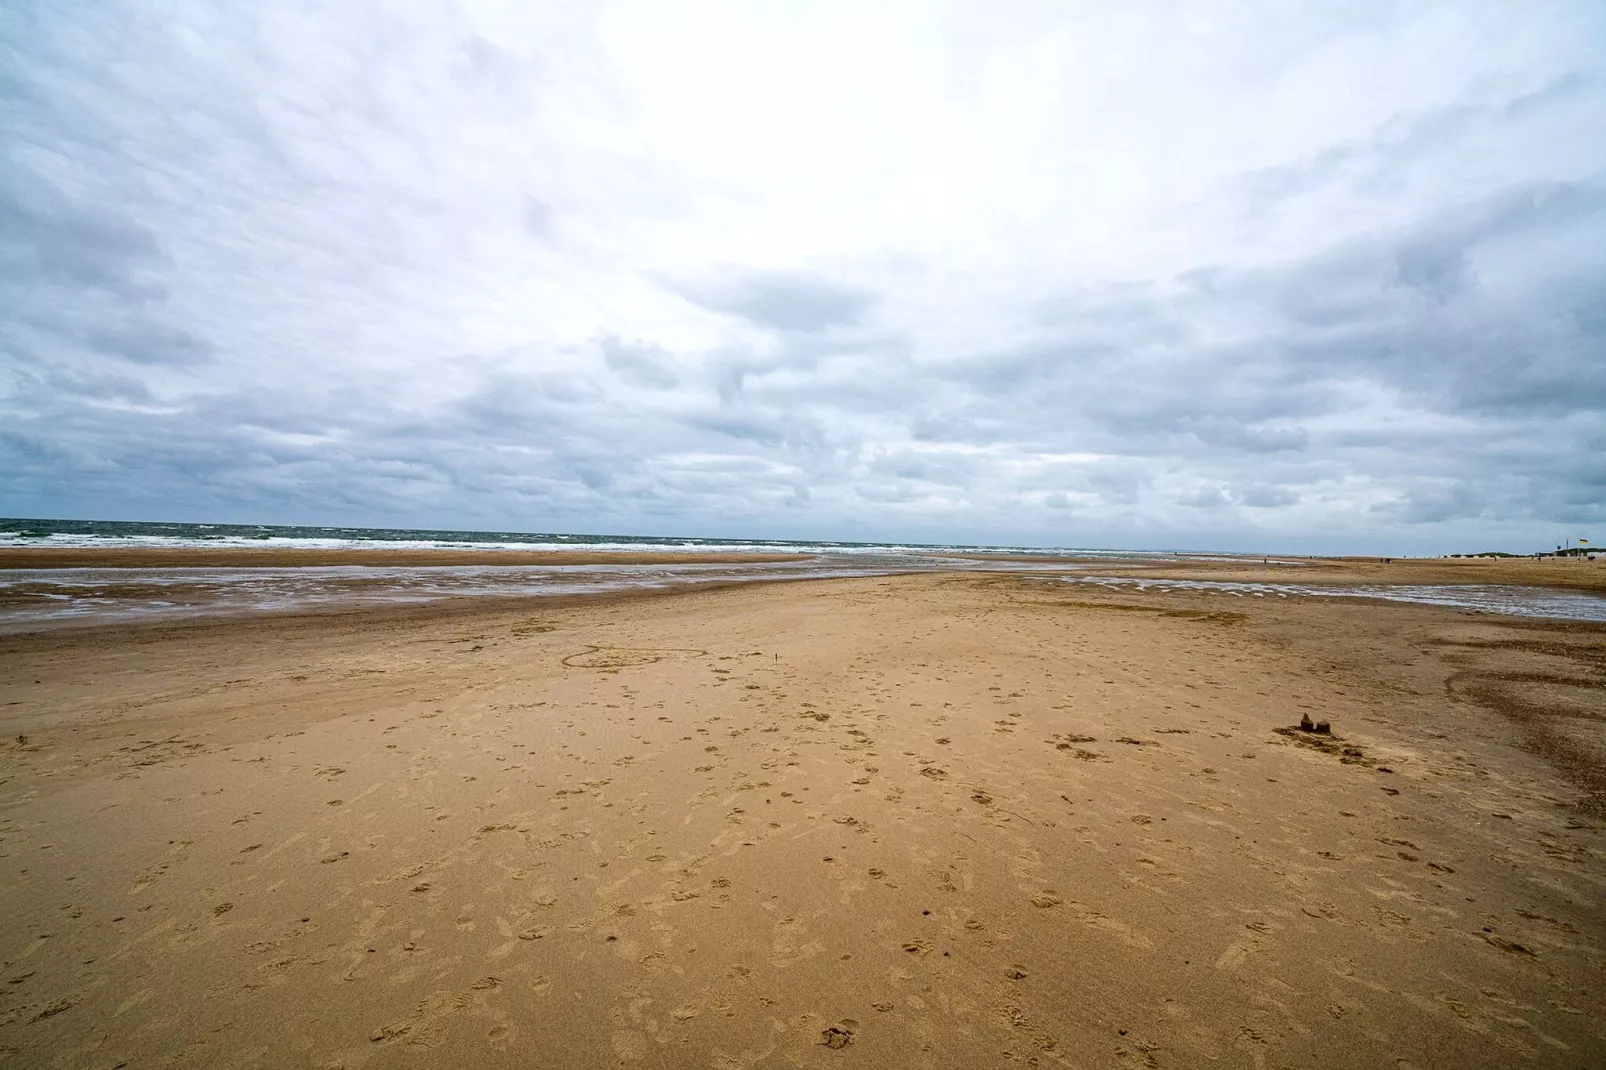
x: 1090, y: 274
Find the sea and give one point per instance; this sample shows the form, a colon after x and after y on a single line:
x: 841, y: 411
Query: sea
x: 135, y: 534
x: 32, y: 599
x: 35, y: 599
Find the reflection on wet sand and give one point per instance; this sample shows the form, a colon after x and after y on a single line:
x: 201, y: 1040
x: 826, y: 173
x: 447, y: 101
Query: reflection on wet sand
x: 1510, y: 599
x: 34, y: 598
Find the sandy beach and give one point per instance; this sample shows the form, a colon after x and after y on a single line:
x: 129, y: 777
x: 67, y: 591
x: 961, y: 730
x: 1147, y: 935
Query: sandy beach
x: 938, y: 820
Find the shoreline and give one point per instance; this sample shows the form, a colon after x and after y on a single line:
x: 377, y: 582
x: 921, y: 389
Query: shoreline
x: 377, y: 612
x: 107, y: 588
x: 41, y: 557
x: 1580, y: 573
x: 1425, y: 571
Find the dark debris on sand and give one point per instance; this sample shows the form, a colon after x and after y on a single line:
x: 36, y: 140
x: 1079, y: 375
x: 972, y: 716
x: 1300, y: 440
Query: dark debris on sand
x: 1318, y: 735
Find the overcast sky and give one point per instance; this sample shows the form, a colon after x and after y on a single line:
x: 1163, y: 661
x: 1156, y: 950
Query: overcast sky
x: 1232, y: 275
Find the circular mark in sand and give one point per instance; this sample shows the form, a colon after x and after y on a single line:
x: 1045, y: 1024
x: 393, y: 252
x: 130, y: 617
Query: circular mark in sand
x: 622, y: 657
x: 629, y: 1046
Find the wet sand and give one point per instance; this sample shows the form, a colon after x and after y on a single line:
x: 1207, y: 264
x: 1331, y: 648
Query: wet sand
x: 1576, y: 574
x: 42, y: 557
x: 915, y: 821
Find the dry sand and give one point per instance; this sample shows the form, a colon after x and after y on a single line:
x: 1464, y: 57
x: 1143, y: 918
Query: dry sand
x: 922, y: 821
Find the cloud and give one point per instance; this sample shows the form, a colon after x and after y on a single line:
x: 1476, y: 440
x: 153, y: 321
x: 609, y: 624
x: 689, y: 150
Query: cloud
x: 47, y: 234
x: 784, y: 300
x: 644, y: 364
x: 149, y: 343
x: 1205, y: 498
x: 1050, y: 275
x: 1251, y: 438
x: 1261, y: 496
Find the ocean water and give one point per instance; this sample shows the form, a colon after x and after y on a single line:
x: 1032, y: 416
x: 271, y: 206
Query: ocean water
x: 40, y: 598
x: 116, y: 533
x: 31, y: 599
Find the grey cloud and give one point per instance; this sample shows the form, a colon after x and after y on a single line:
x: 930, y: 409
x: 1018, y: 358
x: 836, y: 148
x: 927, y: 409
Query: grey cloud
x: 784, y: 300
x: 791, y: 431
x: 1253, y: 495
x: 1458, y: 352
x: 641, y: 363
x: 1250, y: 438
x: 1435, y: 505
x: 100, y: 385
x: 745, y: 428
x: 1264, y: 497
x: 1205, y: 498
x: 889, y: 494
x: 1340, y: 315
x: 1117, y: 482
x: 47, y: 235
x: 1404, y: 146
x: 523, y: 398
x: 149, y: 343
x: 947, y: 470
x: 27, y: 449
x: 960, y: 424
x: 1438, y: 270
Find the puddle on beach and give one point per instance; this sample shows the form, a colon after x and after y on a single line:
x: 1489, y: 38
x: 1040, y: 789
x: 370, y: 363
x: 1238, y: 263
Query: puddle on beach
x: 1547, y: 602
x: 31, y: 599
x: 40, y: 598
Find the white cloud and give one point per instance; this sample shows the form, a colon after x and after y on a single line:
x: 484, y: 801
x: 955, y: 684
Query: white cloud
x: 1072, y: 273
